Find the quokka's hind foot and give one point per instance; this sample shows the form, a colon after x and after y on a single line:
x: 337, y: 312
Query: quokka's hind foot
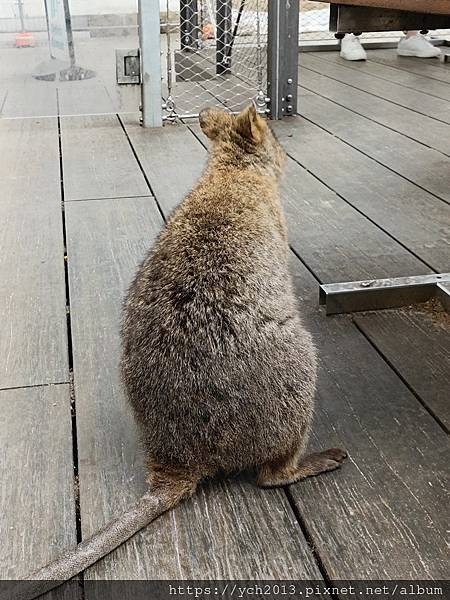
x: 172, y: 482
x: 291, y: 471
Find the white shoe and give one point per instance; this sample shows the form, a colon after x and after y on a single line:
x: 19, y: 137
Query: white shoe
x: 351, y: 48
x: 418, y: 46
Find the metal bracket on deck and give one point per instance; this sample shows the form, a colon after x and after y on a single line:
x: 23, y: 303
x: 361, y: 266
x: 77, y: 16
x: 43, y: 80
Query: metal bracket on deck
x: 378, y: 294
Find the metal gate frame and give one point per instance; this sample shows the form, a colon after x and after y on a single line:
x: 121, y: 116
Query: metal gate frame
x: 282, y: 57
x: 150, y: 50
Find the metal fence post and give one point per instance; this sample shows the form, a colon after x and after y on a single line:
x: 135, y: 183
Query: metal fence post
x: 189, y: 28
x: 150, y: 44
x: 282, y: 57
x: 223, y: 36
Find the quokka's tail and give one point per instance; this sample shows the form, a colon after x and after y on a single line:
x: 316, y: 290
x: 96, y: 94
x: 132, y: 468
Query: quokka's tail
x: 88, y: 552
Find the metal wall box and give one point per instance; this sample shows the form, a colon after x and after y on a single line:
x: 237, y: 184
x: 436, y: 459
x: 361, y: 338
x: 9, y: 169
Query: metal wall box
x: 128, y: 66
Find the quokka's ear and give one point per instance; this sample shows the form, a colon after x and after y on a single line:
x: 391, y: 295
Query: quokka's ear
x: 213, y: 122
x: 250, y: 125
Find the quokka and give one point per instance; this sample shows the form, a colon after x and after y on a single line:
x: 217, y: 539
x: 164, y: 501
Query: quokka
x: 217, y: 365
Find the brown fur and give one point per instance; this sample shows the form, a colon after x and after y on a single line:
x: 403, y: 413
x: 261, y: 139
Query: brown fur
x: 217, y: 365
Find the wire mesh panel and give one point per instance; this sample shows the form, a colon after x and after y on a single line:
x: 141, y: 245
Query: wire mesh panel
x: 214, y: 53
x: 314, y: 19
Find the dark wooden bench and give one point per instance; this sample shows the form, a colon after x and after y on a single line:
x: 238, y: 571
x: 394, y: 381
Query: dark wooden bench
x: 386, y: 15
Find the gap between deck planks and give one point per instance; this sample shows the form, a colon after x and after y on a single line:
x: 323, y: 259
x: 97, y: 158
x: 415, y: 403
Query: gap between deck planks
x: 391, y: 149
x: 37, y: 495
x: 425, y: 68
x: 416, y: 342
x: 412, y: 125
x: 418, y: 220
x: 360, y: 404
x: 33, y: 333
x: 378, y: 70
x: 362, y: 77
x: 85, y: 177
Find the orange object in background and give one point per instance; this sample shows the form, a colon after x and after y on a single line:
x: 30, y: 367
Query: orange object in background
x: 208, y: 32
x: 24, y: 39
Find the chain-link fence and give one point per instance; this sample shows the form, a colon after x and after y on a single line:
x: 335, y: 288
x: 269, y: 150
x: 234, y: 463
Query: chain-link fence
x: 313, y: 23
x: 214, y: 53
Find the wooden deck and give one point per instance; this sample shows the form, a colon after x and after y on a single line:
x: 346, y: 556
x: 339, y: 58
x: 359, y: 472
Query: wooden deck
x: 366, y: 193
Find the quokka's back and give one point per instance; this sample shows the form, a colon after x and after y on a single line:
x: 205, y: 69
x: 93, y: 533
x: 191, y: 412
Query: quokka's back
x: 218, y: 368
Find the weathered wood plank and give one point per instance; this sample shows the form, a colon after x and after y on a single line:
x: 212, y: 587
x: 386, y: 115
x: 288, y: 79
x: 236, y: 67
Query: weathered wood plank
x: 97, y: 160
x: 26, y: 96
x: 416, y: 342
x: 37, y: 499
x: 29, y: 97
x: 423, y: 166
x: 432, y: 69
x: 389, y: 66
x: 421, y: 102
x: 105, y: 241
x: 87, y: 97
x: 413, y: 81
x: 227, y: 530
x: 387, y: 199
x: 171, y: 158
x: 430, y: 132
x: 33, y: 330
x: 29, y: 165
x: 383, y: 515
x: 335, y: 241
